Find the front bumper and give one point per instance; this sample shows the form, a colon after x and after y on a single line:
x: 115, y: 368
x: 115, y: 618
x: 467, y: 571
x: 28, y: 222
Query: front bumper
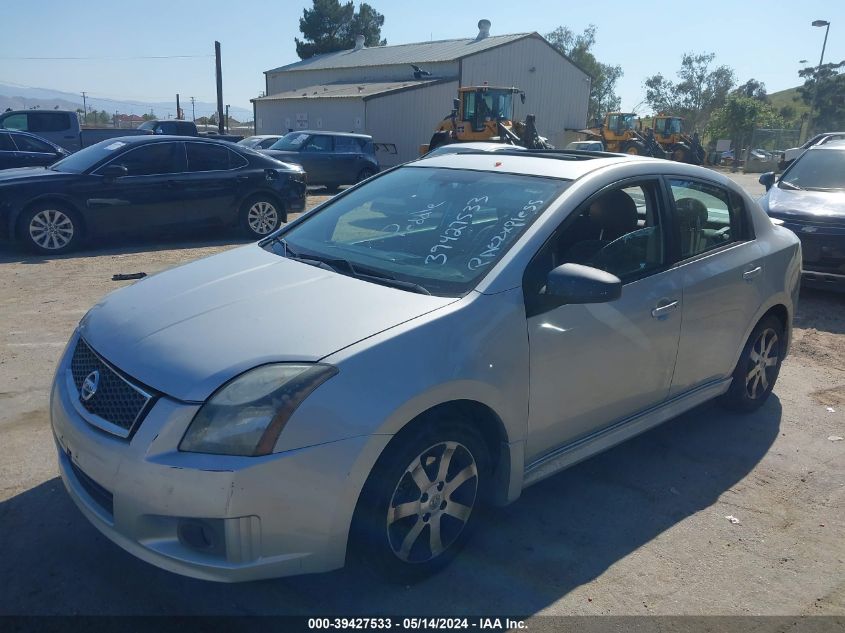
x: 276, y: 515
x: 823, y: 253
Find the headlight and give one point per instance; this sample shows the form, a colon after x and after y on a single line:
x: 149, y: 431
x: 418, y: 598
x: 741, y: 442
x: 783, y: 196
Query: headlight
x: 247, y: 414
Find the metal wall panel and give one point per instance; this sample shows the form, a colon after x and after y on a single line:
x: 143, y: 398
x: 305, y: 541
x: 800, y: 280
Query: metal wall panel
x: 407, y: 119
x: 331, y: 114
x: 556, y: 91
x: 278, y: 82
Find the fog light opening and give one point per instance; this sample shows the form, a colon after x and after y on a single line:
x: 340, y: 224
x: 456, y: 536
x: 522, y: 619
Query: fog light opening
x: 197, y: 535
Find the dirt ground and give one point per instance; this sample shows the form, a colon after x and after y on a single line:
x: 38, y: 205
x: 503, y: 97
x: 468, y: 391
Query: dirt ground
x: 641, y: 529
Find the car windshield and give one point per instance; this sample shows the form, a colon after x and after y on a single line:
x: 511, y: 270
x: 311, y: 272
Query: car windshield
x: 149, y: 125
x: 291, y: 142
x: 820, y: 169
x: 86, y: 158
x: 430, y: 230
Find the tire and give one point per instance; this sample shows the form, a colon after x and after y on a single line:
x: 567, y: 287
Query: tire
x: 261, y: 215
x: 438, y: 139
x: 50, y: 228
x: 758, y: 367
x: 408, y: 499
x: 681, y: 154
x: 635, y: 148
x: 367, y: 172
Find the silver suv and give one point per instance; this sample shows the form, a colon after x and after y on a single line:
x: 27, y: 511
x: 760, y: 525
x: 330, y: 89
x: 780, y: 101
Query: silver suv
x: 439, y: 337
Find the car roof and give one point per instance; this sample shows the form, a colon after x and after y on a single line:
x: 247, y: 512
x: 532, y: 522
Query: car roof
x: 155, y: 138
x: 330, y: 133
x: 568, y: 164
x: 838, y: 144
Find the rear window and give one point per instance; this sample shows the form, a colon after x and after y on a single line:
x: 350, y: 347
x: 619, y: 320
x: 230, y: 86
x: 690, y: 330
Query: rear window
x: 347, y: 145
x: 48, y: 121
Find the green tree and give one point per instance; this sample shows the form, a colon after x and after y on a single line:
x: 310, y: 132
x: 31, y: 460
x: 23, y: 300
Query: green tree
x: 603, y: 97
x: 103, y: 117
x: 739, y: 115
x: 754, y: 89
x: 331, y: 26
x: 699, y: 91
x: 829, y: 80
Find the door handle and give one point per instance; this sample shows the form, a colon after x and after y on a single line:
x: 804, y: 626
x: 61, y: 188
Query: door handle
x: 748, y: 275
x: 662, y: 311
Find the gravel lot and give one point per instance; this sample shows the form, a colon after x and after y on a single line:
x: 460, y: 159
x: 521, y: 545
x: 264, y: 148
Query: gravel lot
x: 641, y: 529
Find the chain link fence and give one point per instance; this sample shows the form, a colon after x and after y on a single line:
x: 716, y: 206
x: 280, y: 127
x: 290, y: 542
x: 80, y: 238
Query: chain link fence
x: 765, y: 151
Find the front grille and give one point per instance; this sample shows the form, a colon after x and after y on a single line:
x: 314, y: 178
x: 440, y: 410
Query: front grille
x: 115, y: 399
x: 98, y: 494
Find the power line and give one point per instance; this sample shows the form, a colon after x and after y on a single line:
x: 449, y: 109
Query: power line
x: 106, y: 58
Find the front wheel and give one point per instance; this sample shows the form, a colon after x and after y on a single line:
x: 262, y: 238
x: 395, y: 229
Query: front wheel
x: 758, y: 367
x: 421, y: 500
x: 49, y: 228
x: 261, y: 215
x: 635, y: 148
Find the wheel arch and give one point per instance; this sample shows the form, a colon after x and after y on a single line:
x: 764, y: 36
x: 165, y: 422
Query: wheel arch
x: 778, y: 308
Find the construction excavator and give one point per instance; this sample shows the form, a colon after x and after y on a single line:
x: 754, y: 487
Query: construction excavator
x: 669, y: 133
x: 485, y: 113
x: 622, y: 132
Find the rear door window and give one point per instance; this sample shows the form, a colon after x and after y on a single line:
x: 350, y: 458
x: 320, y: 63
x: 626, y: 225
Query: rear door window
x: 347, y: 145
x: 211, y: 157
x: 705, y: 217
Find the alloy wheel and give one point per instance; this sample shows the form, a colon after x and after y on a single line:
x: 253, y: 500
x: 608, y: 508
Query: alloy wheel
x: 262, y: 217
x: 762, y: 364
x: 51, y: 229
x: 432, y: 502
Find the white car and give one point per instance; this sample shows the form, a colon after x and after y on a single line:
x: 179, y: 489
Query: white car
x: 588, y: 146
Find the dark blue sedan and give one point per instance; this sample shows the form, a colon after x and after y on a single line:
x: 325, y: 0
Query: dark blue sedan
x: 147, y: 183
x: 22, y: 149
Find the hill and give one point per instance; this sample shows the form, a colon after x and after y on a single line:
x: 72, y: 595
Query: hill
x: 21, y: 97
x: 789, y: 97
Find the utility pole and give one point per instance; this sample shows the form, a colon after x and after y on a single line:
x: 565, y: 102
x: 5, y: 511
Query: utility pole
x: 219, y: 67
x: 85, y: 106
x: 193, y: 110
x: 227, y: 118
x: 178, y: 109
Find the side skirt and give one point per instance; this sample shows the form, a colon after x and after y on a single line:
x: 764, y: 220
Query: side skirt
x: 586, y: 447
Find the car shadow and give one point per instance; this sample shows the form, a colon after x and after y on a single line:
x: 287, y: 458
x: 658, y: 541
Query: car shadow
x: 562, y: 533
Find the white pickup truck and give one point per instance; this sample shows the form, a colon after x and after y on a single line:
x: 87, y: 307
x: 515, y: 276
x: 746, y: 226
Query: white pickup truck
x: 819, y: 139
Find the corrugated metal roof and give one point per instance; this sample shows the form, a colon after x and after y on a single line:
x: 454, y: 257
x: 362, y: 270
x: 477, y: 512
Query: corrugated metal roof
x: 361, y: 89
x: 422, y: 52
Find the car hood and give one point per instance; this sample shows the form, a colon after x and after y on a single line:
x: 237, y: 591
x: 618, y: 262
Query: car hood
x: 816, y: 206
x: 186, y: 331
x: 18, y: 174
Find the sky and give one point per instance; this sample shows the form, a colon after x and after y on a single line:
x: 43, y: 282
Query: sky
x: 760, y: 39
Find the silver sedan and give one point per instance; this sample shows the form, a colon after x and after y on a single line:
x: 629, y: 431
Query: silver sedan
x: 439, y: 337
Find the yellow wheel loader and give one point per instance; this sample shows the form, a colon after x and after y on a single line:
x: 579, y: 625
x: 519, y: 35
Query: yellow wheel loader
x: 485, y: 113
x: 669, y: 133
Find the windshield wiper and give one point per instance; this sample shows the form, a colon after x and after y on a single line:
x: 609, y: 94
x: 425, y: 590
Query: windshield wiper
x: 344, y: 266
x: 788, y: 185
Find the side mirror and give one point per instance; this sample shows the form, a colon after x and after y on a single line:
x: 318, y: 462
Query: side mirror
x: 767, y: 180
x: 574, y: 283
x: 114, y: 171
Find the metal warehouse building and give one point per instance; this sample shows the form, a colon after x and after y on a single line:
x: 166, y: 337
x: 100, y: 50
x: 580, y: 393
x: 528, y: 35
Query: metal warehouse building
x: 375, y: 91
